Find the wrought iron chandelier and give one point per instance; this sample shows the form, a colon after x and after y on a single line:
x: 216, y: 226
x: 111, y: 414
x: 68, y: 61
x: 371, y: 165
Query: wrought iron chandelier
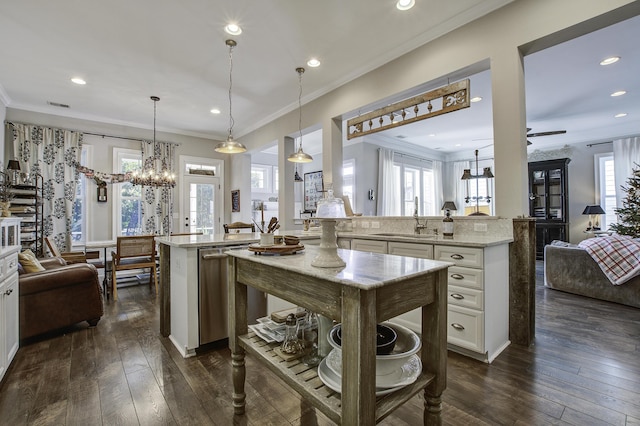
x: 156, y: 170
x: 467, y: 176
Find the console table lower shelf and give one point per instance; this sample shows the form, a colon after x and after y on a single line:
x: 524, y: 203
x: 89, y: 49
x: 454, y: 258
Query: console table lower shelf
x: 304, y: 380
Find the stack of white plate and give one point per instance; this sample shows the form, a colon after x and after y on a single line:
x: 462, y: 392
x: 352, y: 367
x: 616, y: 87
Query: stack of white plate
x: 394, y: 371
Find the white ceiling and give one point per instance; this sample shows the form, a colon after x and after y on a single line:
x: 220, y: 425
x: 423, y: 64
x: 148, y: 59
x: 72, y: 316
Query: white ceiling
x: 128, y: 51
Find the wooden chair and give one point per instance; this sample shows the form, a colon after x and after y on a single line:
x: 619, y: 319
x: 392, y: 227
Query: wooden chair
x: 69, y: 256
x: 238, y: 226
x: 136, y: 252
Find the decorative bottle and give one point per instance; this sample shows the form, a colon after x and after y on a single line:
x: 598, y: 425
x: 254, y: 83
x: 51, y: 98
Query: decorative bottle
x: 292, y: 344
x: 447, y: 225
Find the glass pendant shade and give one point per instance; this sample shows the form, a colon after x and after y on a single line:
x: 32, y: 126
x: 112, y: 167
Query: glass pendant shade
x: 230, y: 146
x: 330, y: 207
x: 300, y: 156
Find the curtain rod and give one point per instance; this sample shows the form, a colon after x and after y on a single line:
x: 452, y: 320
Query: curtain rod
x: 598, y: 143
x: 91, y: 133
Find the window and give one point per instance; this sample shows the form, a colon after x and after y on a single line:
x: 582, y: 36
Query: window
x: 264, y: 178
x: 127, y: 197
x: 349, y: 180
x: 416, y: 180
x: 606, y: 189
x: 78, y: 224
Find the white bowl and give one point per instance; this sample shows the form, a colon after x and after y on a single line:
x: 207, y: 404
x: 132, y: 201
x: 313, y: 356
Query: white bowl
x: 408, y: 343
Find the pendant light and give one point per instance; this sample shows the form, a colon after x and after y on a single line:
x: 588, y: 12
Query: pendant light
x: 300, y: 156
x: 230, y: 146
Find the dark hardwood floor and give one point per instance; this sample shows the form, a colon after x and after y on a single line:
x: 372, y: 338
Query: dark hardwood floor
x: 584, y: 369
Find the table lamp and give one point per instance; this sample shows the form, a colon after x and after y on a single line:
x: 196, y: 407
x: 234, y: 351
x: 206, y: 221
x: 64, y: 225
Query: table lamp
x: 594, y: 211
x: 449, y: 205
x: 14, y: 166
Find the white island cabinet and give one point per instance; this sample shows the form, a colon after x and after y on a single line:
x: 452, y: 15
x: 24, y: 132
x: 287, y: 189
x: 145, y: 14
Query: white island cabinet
x: 478, y: 288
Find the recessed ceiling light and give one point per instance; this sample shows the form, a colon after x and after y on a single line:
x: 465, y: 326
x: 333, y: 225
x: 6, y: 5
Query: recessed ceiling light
x: 458, y: 144
x: 313, y: 62
x: 432, y: 135
x: 405, y: 4
x: 619, y: 93
x: 610, y: 60
x: 233, y: 29
x: 78, y: 80
x: 476, y: 99
x: 215, y: 111
x: 622, y: 114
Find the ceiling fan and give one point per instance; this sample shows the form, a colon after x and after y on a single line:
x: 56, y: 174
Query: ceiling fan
x: 550, y: 133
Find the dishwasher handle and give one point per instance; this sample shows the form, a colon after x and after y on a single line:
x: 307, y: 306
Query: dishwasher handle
x: 214, y: 256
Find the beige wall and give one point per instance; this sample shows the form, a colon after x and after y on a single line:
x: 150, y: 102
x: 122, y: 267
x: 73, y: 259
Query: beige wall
x: 497, y: 38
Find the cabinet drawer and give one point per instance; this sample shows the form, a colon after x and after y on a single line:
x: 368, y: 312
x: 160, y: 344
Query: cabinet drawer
x: 468, y: 277
x: 461, y: 256
x: 423, y: 251
x: 372, y: 246
x: 464, y: 328
x: 10, y: 264
x: 467, y: 297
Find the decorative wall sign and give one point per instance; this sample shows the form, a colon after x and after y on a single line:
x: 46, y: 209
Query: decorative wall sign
x: 235, y: 200
x: 449, y: 98
x: 313, y: 190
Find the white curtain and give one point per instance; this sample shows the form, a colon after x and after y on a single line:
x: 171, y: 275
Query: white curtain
x: 460, y: 186
x: 53, y: 155
x: 157, y: 205
x: 437, y: 185
x: 626, y: 157
x: 388, y: 196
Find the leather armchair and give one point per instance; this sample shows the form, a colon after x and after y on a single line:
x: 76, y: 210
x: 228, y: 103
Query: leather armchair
x: 59, y: 296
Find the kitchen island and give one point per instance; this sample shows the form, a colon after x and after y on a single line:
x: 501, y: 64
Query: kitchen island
x: 370, y: 289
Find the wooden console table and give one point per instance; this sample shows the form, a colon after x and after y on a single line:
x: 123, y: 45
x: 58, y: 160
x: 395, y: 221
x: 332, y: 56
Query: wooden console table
x: 370, y: 289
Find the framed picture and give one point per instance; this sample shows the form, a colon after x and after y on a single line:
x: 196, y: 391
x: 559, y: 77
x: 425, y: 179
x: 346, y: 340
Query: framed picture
x: 235, y: 200
x: 313, y: 190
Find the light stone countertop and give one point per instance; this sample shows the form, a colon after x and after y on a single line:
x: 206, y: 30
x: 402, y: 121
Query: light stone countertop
x: 222, y: 240
x: 364, y: 270
x: 457, y: 240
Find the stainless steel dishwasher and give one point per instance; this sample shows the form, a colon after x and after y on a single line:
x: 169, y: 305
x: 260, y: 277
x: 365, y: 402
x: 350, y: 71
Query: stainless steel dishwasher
x: 212, y: 295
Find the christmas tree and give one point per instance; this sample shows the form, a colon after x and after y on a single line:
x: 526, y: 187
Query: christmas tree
x: 629, y: 213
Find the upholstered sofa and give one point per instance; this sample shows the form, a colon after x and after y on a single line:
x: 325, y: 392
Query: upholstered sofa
x: 571, y: 269
x: 59, y: 296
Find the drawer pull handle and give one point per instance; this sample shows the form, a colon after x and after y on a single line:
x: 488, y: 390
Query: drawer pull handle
x: 457, y: 326
x: 457, y: 276
x: 457, y: 256
x: 457, y: 296
x: 8, y: 292
x: 12, y: 264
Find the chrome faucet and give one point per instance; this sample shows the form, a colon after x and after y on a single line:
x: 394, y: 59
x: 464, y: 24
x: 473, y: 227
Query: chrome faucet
x: 418, y: 226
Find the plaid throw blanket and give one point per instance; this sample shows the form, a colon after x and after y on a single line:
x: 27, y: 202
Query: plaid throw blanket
x: 618, y: 256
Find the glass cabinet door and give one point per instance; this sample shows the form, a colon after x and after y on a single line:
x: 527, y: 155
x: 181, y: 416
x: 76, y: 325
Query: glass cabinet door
x: 555, y: 194
x: 537, y: 196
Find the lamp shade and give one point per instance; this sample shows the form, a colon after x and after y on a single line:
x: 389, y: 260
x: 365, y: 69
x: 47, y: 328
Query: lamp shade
x: 593, y: 209
x: 449, y: 205
x: 13, y: 165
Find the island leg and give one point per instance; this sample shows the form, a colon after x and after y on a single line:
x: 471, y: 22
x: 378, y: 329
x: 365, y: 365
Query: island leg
x: 434, y: 348
x: 237, y: 327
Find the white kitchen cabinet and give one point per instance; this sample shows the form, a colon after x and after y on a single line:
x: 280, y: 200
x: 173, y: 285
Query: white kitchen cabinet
x: 9, y: 303
x: 373, y: 246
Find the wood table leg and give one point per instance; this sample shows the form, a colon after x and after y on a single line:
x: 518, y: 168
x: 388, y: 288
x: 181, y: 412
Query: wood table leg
x: 239, y: 374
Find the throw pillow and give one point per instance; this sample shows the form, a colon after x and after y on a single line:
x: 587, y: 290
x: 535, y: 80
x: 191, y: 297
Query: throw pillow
x: 29, y: 262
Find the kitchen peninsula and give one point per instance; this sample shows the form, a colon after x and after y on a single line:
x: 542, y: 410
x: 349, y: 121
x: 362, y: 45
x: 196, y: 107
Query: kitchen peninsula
x: 478, y: 296
x: 371, y: 288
